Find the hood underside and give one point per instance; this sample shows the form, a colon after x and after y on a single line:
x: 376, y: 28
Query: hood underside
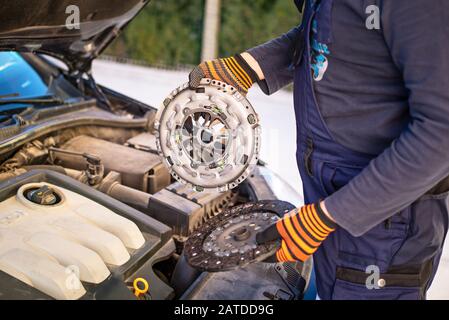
x: 75, y: 31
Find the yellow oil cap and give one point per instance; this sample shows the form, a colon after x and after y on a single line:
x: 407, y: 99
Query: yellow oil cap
x: 140, y: 286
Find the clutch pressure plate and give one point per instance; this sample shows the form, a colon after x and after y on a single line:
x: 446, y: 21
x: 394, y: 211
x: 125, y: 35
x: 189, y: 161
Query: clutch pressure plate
x: 208, y: 137
x: 228, y: 241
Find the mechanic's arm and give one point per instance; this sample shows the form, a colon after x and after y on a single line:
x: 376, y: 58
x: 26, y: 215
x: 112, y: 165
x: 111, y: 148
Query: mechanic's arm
x: 418, y: 37
x: 268, y: 64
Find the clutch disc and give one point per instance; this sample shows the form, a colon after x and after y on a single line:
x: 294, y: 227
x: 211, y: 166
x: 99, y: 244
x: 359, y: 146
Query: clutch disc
x: 208, y: 137
x: 228, y: 241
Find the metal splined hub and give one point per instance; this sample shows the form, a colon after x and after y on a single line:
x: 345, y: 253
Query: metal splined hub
x: 228, y: 241
x: 209, y: 137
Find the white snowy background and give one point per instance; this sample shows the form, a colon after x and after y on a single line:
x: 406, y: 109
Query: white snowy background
x: 276, y: 113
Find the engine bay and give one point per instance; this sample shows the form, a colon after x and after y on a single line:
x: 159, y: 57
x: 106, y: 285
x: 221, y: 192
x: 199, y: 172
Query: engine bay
x: 103, y: 177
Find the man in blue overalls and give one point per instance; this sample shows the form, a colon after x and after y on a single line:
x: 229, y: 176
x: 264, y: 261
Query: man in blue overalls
x: 371, y: 95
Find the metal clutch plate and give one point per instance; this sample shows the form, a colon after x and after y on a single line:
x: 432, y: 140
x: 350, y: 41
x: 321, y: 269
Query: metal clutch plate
x: 228, y: 241
x: 208, y: 137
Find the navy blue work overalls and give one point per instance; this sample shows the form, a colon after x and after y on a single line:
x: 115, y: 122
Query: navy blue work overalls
x: 405, y: 248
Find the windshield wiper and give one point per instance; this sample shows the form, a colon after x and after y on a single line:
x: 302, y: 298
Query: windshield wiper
x: 46, y: 100
x: 9, y: 95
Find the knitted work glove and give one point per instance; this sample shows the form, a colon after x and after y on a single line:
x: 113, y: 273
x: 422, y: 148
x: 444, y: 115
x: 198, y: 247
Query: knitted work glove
x: 234, y: 71
x: 301, y: 232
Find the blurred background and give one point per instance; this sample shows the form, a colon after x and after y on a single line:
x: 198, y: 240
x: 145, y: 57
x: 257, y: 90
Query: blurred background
x: 171, y: 33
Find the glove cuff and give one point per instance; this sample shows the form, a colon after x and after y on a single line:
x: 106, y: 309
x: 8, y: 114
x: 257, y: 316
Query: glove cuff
x: 247, y: 68
x: 324, y: 218
x: 303, y: 232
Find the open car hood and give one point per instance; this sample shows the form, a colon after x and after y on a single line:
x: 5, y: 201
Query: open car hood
x: 50, y: 27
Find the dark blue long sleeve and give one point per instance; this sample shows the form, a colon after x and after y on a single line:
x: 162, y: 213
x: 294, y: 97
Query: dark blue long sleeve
x: 417, y: 35
x: 275, y: 59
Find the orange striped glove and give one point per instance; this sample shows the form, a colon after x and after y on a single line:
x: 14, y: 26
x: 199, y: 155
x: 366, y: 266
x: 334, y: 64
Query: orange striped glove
x: 234, y: 71
x: 301, y: 232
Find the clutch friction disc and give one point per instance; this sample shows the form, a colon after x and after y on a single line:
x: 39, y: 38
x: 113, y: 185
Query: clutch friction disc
x: 228, y: 241
x: 208, y: 137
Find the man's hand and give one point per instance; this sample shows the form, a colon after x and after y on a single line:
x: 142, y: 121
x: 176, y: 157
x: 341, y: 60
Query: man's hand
x: 235, y: 71
x: 301, y: 232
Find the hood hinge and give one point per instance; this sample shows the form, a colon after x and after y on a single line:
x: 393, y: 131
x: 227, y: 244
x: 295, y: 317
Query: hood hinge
x: 84, y: 78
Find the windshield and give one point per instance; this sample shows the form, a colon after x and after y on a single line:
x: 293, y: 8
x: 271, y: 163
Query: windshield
x: 18, y: 79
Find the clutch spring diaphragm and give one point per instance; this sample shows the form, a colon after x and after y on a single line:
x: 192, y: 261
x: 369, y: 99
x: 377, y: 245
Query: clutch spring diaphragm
x: 228, y: 240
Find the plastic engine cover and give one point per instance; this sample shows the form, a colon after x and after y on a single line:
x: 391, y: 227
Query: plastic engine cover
x: 61, y: 239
